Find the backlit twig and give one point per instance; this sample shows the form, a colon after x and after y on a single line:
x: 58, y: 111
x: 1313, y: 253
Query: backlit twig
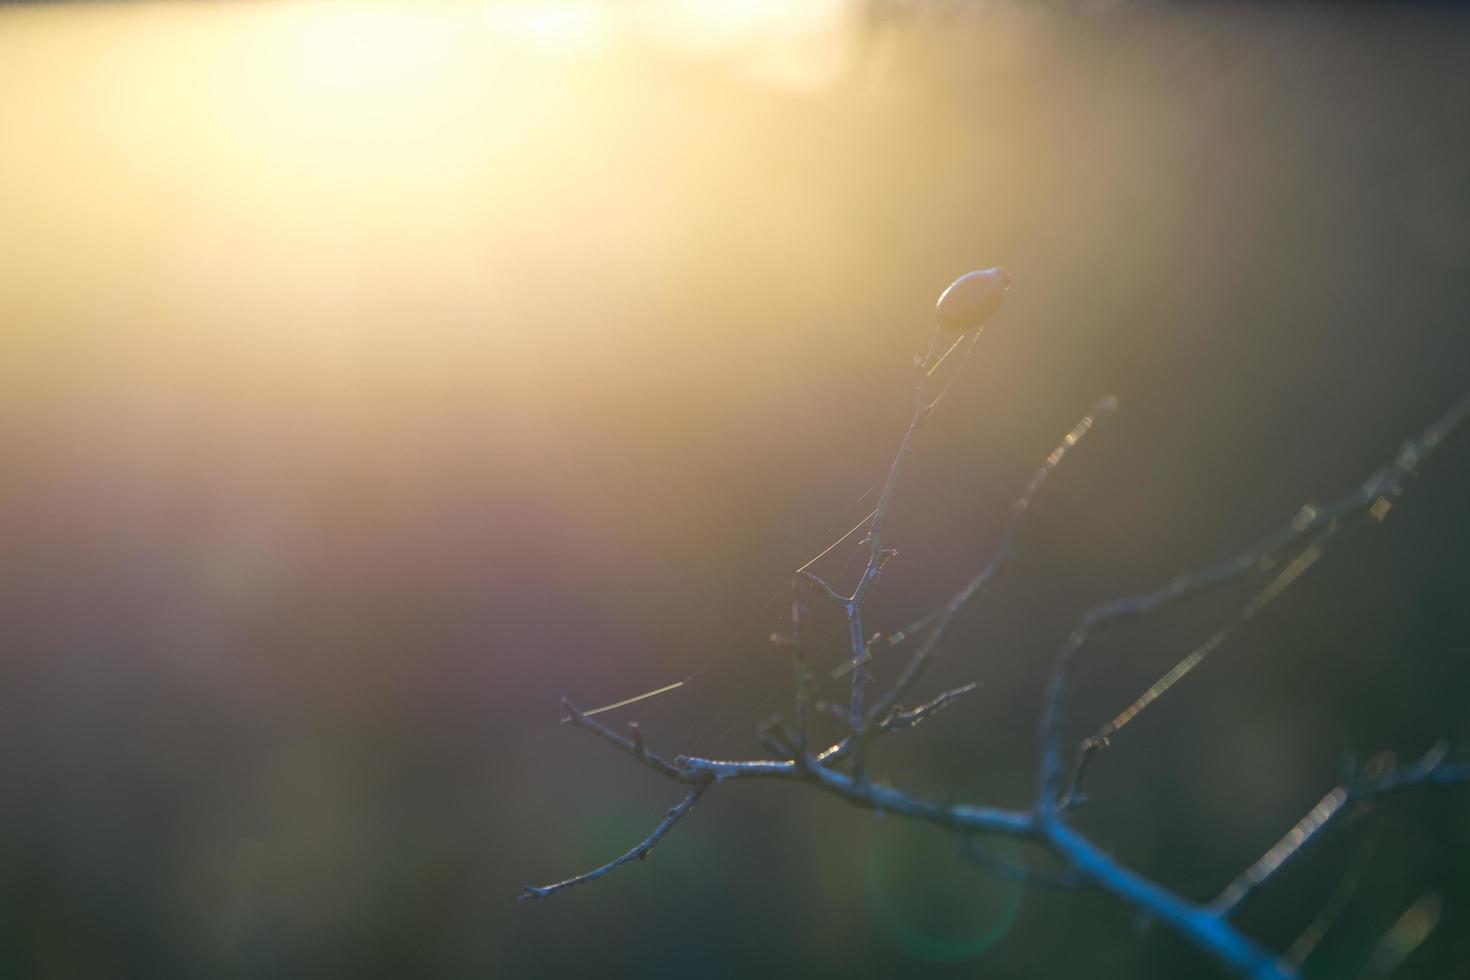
x: 1044, y: 823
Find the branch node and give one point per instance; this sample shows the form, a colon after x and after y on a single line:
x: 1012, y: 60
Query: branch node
x: 822, y: 588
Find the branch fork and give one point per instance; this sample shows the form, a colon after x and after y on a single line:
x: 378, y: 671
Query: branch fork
x: 1079, y: 862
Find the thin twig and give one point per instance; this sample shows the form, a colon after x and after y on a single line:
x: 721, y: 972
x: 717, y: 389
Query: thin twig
x: 878, y: 555
x: 637, y: 751
x: 1311, y: 937
x: 1430, y: 770
x: 802, y: 670
x: 1083, y: 862
x: 1386, y: 482
x: 637, y: 853
x: 922, y: 657
x: 1103, y: 737
x: 900, y: 718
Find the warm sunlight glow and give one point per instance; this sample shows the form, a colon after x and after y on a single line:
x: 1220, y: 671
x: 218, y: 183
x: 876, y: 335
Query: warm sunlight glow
x: 794, y: 45
x: 343, y: 152
x: 358, y: 50
x: 569, y: 29
x: 384, y: 381
x: 725, y: 25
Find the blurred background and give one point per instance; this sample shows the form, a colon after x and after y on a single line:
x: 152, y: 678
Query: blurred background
x: 376, y: 374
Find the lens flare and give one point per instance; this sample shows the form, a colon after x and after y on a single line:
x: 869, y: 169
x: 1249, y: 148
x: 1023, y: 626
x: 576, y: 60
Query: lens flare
x: 930, y: 904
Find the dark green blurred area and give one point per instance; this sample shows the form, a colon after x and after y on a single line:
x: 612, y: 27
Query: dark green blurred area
x: 284, y: 635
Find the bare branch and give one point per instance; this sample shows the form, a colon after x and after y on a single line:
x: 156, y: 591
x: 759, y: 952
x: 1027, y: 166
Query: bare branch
x: 823, y: 589
x: 800, y: 668
x: 947, y: 615
x: 1083, y: 863
x: 922, y: 411
x: 1306, y: 943
x: 955, y: 816
x: 878, y: 556
x: 773, y: 736
x: 872, y: 795
x: 1386, y: 482
x: 898, y: 718
x: 1430, y: 770
x: 636, y: 750
x: 919, y: 662
x: 1195, y: 922
x: 1103, y: 737
x: 982, y: 856
x: 860, y: 675
x: 637, y: 853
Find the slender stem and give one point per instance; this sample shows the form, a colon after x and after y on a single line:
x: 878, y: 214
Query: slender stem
x: 1195, y: 922
x: 638, y: 852
x: 1311, y: 520
x: 922, y: 657
x: 1427, y: 771
x: 1328, y: 916
x: 802, y: 669
x: 636, y: 750
x: 1273, y: 589
x: 877, y: 555
x: 1206, y: 926
x: 899, y: 718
